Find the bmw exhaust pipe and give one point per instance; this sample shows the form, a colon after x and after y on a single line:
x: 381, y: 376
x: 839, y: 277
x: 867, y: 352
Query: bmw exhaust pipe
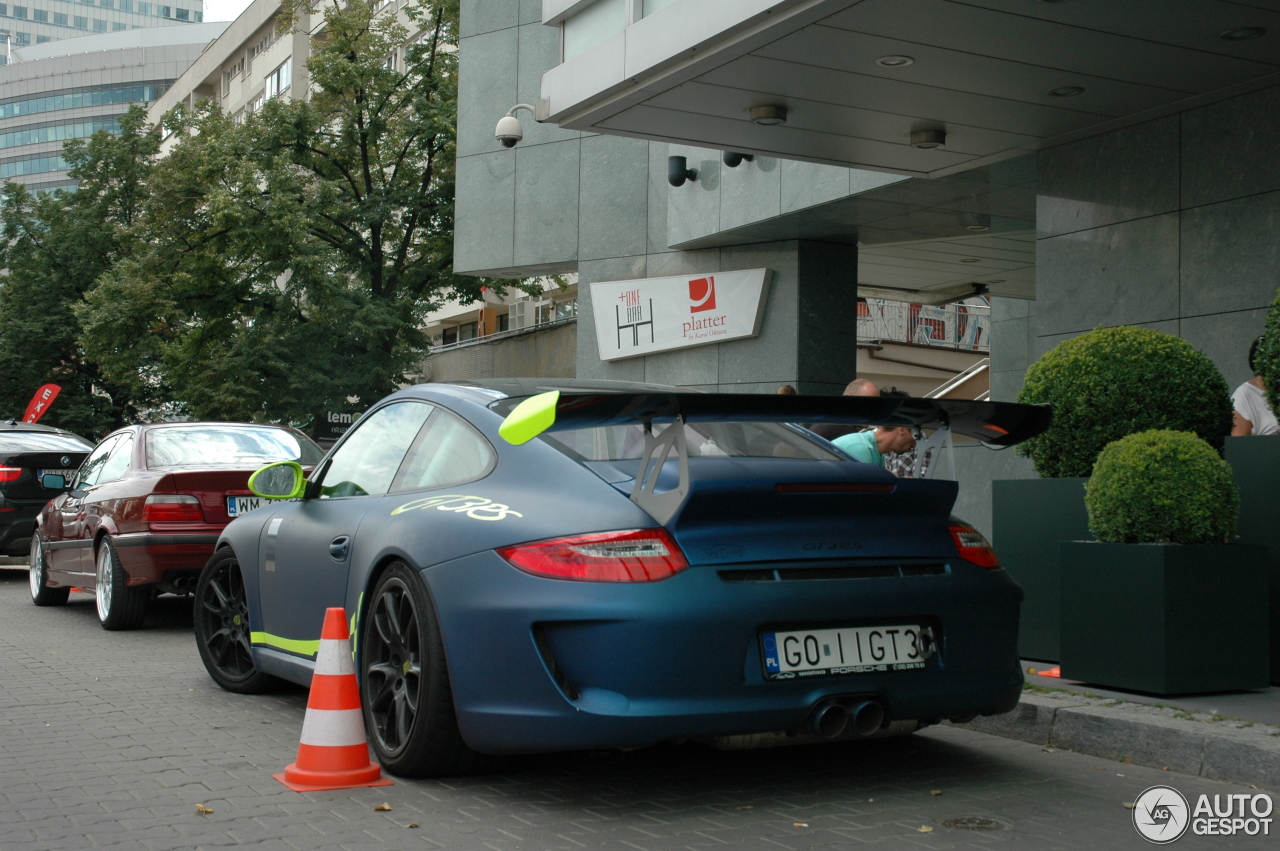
x: 828, y: 719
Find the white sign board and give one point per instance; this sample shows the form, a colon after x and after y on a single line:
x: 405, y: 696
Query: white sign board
x: 658, y: 314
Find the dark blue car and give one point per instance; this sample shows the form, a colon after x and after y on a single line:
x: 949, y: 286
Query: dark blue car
x: 532, y: 566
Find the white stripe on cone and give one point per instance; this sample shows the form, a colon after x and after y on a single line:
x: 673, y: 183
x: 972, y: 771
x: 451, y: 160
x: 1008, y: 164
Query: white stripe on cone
x: 334, y: 657
x: 333, y: 728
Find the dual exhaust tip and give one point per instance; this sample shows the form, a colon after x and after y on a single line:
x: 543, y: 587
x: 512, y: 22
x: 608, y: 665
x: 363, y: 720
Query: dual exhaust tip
x: 831, y: 718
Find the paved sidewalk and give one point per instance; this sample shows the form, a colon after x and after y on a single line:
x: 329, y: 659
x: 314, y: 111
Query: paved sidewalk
x: 109, y: 740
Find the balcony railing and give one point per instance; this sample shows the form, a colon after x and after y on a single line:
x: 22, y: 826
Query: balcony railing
x: 965, y: 327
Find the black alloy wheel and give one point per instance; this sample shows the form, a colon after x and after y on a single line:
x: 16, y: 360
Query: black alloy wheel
x: 222, y: 627
x: 407, y: 698
x: 41, y: 593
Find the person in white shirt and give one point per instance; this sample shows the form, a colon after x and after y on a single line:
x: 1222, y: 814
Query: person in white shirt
x: 1252, y: 413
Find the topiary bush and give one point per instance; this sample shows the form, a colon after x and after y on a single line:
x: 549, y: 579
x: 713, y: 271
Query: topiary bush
x: 1113, y: 382
x: 1161, y: 487
x: 1268, y: 356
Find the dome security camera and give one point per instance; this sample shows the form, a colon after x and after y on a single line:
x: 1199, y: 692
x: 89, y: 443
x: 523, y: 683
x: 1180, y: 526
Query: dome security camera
x: 509, y: 131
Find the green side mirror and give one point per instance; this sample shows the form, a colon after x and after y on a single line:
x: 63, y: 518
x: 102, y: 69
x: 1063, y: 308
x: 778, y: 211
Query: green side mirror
x: 281, y: 480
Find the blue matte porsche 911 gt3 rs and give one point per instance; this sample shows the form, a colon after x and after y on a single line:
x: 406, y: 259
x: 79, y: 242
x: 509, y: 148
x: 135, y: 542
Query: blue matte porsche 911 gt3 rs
x: 532, y: 566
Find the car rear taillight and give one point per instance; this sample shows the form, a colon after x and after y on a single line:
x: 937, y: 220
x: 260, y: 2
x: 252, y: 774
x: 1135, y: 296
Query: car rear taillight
x: 172, y: 508
x: 973, y: 547
x: 638, y: 555
x: 10, y: 474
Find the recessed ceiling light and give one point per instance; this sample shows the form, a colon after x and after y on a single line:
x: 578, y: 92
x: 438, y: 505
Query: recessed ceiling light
x: 969, y: 260
x: 769, y: 115
x: 927, y: 139
x: 1066, y: 91
x: 996, y: 281
x: 1243, y: 34
x: 894, y: 61
x: 977, y: 228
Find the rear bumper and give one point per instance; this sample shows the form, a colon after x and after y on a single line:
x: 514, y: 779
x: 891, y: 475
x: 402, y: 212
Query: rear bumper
x: 540, y: 664
x: 146, y: 557
x: 17, y: 522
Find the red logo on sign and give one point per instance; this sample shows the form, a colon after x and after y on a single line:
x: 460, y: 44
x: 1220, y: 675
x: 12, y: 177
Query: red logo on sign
x: 702, y: 292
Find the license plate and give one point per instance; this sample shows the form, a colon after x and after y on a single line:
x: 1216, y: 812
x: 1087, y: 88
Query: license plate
x: 845, y: 650
x: 238, y: 505
x: 66, y: 474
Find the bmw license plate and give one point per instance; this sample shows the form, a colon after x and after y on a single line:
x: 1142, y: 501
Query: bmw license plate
x: 66, y: 474
x: 238, y: 505
x: 845, y: 650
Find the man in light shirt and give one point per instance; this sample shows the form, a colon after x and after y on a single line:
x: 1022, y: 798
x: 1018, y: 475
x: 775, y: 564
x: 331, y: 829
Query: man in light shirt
x: 1252, y: 413
x: 871, y: 446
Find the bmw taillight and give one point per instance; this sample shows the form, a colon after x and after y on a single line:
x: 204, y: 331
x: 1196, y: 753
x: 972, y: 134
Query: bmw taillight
x: 10, y: 474
x: 973, y: 547
x: 172, y: 508
x: 637, y: 555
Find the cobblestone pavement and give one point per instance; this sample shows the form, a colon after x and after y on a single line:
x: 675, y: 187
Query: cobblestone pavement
x: 110, y: 740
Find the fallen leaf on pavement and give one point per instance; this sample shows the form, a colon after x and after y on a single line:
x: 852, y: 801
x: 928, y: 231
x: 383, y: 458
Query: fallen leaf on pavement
x: 1047, y: 750
x: 411, y: 825
x: 383, y: 808
x: 924, y: 828
x: 1129, y: 805
x: 935, y: 791
x: 799, y: 824
x: 747, y: 807
x: 1099, y: 768
x: 203, y: 810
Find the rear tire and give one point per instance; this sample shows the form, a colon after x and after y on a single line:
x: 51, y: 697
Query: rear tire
x: 405, y: 690
x: 119, y: 605
x: 222, y: 627
x: 41, y: 593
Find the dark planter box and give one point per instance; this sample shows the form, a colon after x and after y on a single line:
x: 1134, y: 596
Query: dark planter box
x: 1030, y: 518
x: 1163, y: 618
x: 1256, y: 463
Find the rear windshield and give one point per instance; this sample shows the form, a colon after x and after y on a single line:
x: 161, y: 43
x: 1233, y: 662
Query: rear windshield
x: 706, y: 440
x: 221, y: 446
x: 42, y: 441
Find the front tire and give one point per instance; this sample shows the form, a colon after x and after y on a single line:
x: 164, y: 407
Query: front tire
x: 119, y: 605
x: 406, y: 694
x: 222, y: 627
x: 41, y: 593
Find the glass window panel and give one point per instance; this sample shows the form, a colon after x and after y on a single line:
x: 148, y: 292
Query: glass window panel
x: 41, y: 15
x: 593, y: 25
x: 368, y: 458
x: 92, y: 467
x: 221, y: 446
x: 117, y: 463
x: 651, y: 6
x: 60, y: 18
x: 447, y: 452
x: 40, y: 441
x: 20, y: 11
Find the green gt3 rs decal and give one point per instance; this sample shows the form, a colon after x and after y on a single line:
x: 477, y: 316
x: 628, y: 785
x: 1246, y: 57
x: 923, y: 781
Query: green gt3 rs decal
x: 475, y: 507
x: 289, y: 645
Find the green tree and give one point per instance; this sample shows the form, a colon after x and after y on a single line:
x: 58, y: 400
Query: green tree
x: 56, y: 246
x: 290, y: 260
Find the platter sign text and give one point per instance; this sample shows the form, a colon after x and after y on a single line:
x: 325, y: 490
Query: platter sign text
x: 657, y: 314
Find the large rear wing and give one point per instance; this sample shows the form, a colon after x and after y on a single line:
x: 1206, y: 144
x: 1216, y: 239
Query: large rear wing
x: 996, y: 424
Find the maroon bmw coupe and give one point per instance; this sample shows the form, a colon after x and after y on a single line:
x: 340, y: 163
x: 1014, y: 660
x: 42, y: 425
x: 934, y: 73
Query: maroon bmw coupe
x: 145, y: 509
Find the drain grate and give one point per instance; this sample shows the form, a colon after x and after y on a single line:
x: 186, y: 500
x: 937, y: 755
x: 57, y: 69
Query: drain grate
x: 975, y: 823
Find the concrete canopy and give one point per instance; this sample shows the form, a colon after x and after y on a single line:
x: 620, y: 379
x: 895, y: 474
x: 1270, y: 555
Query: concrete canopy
x: 1000, y: 77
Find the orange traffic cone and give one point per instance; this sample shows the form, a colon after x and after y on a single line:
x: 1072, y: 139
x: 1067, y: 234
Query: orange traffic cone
x: 1055, y: 672
x: 334, y: 752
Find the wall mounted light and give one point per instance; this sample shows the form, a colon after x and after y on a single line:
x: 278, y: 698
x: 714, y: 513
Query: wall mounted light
x: 733, y: 159
x: 769, y: 115
x: 927, y: 139
x: 894, y: 61
x: 1243, y: 34
x: 678, y: 171
x: 1066, y: 91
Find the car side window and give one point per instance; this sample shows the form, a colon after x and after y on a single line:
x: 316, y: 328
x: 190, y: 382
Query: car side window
x: 447, y: 452
x: 117, y: 463
x: 367, y: 461
x: 91, y: 469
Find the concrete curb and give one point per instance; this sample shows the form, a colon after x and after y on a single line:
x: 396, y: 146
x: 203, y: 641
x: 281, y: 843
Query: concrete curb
x: 1236, y: 751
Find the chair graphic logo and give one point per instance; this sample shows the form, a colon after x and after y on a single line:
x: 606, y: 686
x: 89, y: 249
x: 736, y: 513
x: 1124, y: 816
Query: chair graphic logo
x: 702, y: 292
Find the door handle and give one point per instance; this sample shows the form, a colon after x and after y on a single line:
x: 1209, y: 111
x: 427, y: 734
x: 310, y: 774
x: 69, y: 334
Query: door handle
x: 339, y: 546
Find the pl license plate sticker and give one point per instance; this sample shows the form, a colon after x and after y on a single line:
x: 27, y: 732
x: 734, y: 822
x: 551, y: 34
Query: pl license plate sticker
x: 845, y: 650
x: 239, y: 505
x: 475, y: 507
